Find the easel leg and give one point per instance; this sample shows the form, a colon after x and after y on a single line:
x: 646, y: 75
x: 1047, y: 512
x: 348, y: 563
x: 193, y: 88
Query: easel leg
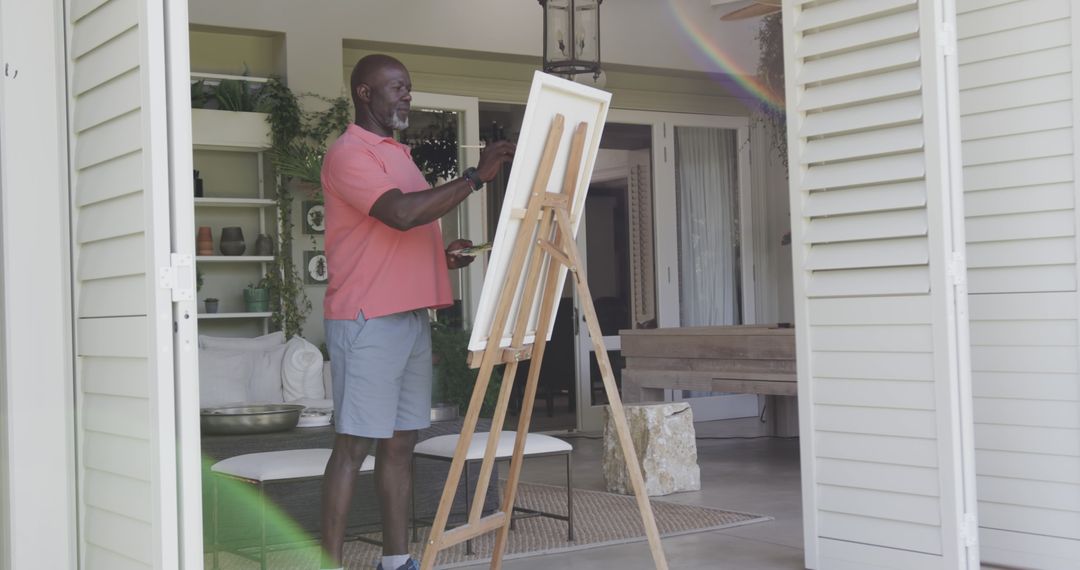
x: 615, y: 402
x: 547, y: 306
x: 513, y: 477
x: 438, y: 539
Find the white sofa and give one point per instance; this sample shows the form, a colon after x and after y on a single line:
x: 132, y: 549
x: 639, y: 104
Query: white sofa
x: 262, y: 370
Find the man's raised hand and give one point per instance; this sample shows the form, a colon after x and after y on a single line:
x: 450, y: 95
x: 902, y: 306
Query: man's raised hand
x: 493, y: 157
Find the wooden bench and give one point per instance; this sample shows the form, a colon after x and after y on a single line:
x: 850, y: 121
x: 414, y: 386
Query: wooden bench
x: 745, y: 359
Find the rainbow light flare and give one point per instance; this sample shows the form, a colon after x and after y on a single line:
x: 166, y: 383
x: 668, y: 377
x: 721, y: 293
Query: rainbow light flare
x: 710, y: 54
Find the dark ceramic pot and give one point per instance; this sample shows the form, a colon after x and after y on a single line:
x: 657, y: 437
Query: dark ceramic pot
x: 232, y: 241
x: 264, y: 245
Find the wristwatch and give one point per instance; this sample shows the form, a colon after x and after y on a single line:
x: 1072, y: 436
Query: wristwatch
x: 473, y: 177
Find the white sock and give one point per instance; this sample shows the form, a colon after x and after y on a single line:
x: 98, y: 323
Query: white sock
x: 394, y: 562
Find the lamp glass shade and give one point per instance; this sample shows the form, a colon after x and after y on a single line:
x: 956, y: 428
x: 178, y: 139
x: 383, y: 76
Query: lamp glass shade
x: 587, y: 31
x: 571, y: 36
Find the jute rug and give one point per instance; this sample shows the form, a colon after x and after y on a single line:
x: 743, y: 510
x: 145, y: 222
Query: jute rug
x: 600, y: 519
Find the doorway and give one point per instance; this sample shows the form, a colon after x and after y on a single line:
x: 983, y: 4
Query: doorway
x: 641, y: 250
x: 616, y: 240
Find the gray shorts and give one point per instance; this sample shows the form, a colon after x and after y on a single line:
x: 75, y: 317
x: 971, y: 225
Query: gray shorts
x: 381, y: 371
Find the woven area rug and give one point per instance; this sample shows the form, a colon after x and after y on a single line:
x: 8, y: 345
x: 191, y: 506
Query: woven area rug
x: 600, y: 519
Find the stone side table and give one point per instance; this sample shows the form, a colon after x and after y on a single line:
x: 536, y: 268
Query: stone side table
x: 664, y: 439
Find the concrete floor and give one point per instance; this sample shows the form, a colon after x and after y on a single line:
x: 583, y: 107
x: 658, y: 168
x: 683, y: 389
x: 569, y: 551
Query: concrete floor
x: 753, y: 475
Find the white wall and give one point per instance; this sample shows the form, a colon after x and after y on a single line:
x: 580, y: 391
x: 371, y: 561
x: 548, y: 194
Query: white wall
x: 37, y: 519
x: 321, y: 42
x: 633, y: 32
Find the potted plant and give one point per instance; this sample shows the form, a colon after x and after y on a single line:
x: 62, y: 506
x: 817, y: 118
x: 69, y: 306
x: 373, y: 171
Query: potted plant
x: 211, y: 304
x: 453, y: 379
x: 257, y: 297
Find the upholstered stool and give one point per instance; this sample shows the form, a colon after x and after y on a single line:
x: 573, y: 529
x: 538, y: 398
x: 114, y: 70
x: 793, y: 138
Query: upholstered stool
x: 270, y: 467
x: 536, y: 445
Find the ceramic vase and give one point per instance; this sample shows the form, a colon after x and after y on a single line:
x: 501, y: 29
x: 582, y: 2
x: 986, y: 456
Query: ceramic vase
x: 232, y: 241
x: 211, y: 305
x: 264, y: 245
x: 204, y: 241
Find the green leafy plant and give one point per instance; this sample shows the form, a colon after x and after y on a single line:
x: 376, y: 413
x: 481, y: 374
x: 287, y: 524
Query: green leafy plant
x: 455, y: 380
x: 232, y: 95
x: 199, y: 96
x: 227, y: 94
x: 299, y: 140
x: 299, y: 161
x: 435, y: 147
x: 283, y: 107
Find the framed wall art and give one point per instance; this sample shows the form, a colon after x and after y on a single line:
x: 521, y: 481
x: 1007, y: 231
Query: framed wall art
x: 315, y: 272
x: 314, y: 217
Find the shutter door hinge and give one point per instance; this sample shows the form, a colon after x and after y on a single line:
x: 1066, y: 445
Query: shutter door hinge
x: 947, y: 39
x: 178, y: 277
x: 969, y: 532
x: 958, y: 269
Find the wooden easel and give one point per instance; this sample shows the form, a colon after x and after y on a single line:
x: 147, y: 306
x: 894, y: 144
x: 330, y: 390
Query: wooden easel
x: 548, y: 215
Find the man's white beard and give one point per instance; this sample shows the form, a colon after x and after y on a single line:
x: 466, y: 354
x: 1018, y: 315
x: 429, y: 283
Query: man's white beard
x: 399, y: 124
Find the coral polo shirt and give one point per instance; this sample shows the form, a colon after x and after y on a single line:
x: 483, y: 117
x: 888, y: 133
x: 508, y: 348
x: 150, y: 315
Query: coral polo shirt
x: 372, y: 267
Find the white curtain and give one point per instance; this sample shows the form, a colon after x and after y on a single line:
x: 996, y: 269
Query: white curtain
x: 707, y: 197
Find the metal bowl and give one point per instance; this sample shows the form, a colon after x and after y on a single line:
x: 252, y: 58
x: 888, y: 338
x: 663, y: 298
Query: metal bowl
x: 250, y: 419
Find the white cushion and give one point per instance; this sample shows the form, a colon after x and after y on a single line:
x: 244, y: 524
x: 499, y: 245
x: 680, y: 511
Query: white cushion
x: 258, y: 343
x: 316, y: 404
x: 265, y: 385
x: 327, y: 381
x: 301, y: 371
x: 277, y: 465
x: 224, y: 377
x: 535, y: 443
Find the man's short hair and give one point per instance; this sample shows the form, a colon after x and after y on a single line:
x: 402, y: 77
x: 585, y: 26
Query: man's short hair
x: 366, y: 67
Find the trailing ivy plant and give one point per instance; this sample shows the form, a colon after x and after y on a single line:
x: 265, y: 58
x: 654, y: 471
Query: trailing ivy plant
x: 771, y: 72
x: 299, y: 140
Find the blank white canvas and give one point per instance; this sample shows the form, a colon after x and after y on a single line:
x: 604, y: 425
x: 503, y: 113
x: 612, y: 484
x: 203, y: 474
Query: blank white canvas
x: 548, y: 97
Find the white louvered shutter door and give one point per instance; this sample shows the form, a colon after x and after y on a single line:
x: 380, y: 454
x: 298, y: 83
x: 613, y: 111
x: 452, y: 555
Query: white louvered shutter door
x: 881, y: 356
x: 1019, y: 102
x: 123, y: 330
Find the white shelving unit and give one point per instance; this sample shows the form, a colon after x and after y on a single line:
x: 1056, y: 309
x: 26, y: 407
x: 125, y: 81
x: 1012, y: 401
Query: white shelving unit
x: 249, y: 315
x: 234, y: 258
x: 228, y: 145
x: 233, y: 202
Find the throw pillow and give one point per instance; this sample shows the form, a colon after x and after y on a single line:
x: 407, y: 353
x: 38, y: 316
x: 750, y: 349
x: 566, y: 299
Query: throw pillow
x: 265, y: 385
x: 224, y: 377
x: 301, y: 371
x: 264, y: 342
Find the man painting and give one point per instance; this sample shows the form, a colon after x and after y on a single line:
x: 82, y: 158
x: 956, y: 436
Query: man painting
x: 387, y: 267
